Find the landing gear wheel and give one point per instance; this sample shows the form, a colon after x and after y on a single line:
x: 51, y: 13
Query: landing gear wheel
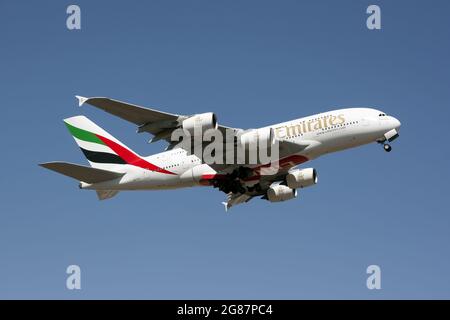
x: 387, y: 147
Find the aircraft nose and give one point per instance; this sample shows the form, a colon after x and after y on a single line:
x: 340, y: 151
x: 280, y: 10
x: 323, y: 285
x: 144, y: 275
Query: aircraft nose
x: 396, y: 123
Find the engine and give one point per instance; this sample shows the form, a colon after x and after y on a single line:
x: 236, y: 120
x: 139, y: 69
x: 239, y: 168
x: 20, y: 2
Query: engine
x: 301, y: 178
x: 203, y: 121
x: 278, y: 193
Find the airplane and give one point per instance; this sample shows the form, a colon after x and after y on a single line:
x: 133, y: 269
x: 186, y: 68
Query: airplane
x: 114, y: 167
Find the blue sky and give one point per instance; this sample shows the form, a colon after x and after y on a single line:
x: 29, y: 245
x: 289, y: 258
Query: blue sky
x: 253, y: 63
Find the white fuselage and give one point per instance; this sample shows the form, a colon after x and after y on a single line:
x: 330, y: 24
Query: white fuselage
x: 325, y: 132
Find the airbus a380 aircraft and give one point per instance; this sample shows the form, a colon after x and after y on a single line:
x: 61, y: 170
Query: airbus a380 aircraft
x: 114, y: 167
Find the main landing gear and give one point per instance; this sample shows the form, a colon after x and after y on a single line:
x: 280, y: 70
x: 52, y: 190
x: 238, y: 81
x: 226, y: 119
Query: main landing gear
x: 232, y: 182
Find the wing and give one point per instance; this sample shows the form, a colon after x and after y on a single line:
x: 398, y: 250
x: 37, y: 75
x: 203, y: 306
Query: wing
x: 158, y: 123
x: 234, y: 199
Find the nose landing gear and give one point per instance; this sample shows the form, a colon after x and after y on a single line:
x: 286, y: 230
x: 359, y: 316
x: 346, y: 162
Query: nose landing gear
x: 388, y: 137
x: 386, y: 146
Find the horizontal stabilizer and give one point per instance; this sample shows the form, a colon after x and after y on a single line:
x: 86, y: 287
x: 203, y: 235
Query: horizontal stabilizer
x: 82, y: 173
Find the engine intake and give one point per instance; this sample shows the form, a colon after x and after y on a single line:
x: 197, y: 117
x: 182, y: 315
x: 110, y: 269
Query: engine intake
x: 301, y: 178
x: 278, y: 193
x: 203, y: 121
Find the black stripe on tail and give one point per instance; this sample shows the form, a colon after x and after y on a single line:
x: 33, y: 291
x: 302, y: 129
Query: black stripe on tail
x: 102, y: 157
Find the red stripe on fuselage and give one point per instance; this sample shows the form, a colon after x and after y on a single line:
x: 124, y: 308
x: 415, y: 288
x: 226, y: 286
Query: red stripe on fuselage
x: 132, y: 158
x: 213, y: 176
x: 289, y: 161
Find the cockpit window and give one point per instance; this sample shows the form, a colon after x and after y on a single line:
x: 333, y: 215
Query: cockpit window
x: 382, y: 115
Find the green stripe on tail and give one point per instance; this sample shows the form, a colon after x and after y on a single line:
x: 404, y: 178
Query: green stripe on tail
x: 83, y: 134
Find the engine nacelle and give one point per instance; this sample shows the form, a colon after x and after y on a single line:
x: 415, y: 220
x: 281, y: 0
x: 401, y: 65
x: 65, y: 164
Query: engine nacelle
x: 203, y: 121
x: 301, y: 178
x: 278, y: 193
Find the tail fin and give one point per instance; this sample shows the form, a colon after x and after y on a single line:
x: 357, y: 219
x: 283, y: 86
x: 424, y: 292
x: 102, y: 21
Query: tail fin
x: 100, y: 148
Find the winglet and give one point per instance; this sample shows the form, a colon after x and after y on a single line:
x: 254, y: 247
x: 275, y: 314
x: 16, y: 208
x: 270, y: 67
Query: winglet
x: 226, y: 206
x: 81, y: 100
